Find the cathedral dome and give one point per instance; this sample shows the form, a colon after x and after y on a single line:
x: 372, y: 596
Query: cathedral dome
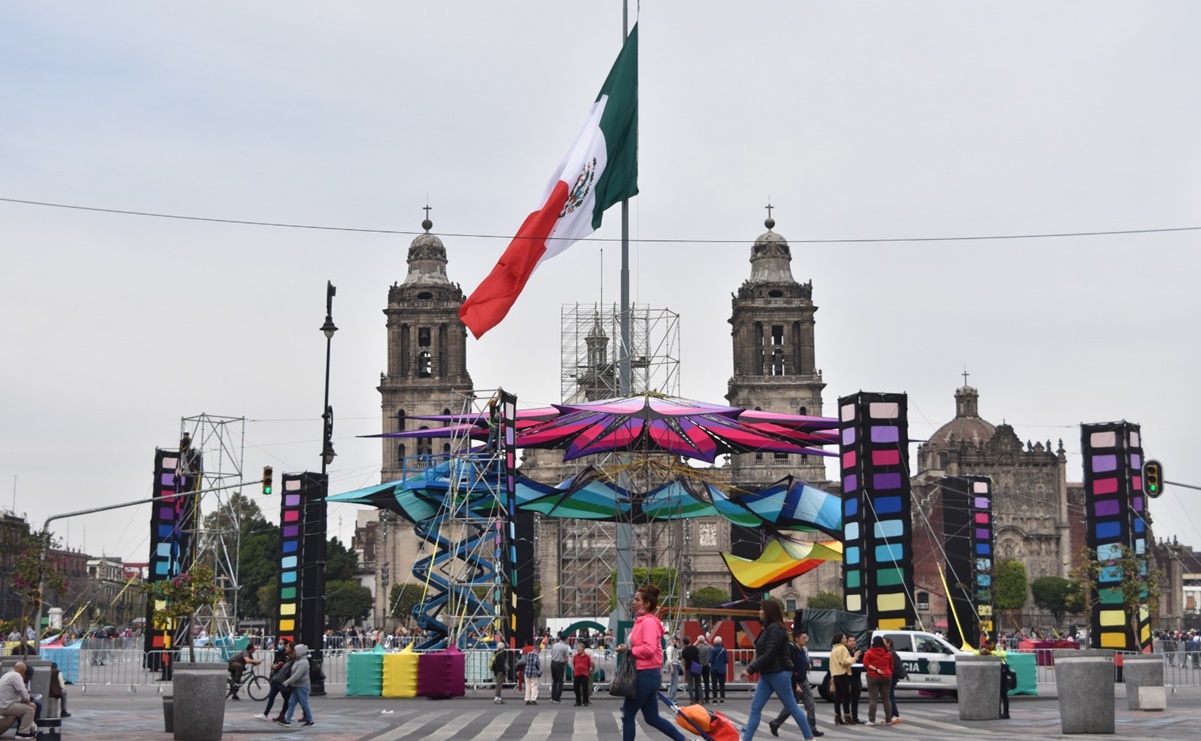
x: 771, y: 257
x: 967, y: 427
x: 427, y: 259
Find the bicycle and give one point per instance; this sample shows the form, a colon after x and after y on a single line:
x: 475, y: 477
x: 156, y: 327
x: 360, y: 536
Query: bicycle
x: 256, y: 685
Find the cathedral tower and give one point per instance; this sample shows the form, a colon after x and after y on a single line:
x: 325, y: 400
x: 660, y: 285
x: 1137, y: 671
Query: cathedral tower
x: 774, y: 365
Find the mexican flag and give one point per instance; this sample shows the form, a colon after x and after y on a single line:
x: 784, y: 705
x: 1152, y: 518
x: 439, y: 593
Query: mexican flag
x: 600, y: 169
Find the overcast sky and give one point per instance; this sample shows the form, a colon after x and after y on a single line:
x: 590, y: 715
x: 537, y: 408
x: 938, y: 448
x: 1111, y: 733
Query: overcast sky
x: 860, y: 121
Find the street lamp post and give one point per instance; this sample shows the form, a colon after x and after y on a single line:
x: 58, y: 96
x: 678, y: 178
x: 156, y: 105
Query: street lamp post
x: 315, y: 513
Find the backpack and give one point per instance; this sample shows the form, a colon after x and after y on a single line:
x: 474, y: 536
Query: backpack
x: 898, y: 667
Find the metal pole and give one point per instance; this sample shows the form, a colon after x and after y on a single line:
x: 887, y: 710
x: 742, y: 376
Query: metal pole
x: 625, y: 530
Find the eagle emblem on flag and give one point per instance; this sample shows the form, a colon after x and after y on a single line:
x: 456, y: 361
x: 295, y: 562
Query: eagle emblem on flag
x: 581, y: 189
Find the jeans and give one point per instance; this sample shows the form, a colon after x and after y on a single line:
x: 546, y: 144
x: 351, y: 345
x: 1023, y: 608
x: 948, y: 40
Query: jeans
x: 892, y: 697
x: 780, y: 685
x: 674, y: 687
x: 647, y: 700
x: 300, y: 696
x: 804, y: 695
x: 277, y: 689
x: 558, y: 671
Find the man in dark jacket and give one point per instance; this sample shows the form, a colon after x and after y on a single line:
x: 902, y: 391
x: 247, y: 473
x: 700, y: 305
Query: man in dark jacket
x: 800, y: 685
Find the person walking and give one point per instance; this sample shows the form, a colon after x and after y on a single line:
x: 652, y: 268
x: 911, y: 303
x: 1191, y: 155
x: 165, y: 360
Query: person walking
x: 646, y: 651
x: 719, y: 661
x: 281, y: 669
x: 800, y: 684
x: 840, y: 673
x: 773, y: 664
x: 672, y: 657
x: 560, y: 654
x: 877, y: 664
x: 298, y: 681
x: 704, y: 651
x: 991, y: 649
x: 532, y: 670
x: 581, y: 673
x: 500, y: 670
x: 690, y: 661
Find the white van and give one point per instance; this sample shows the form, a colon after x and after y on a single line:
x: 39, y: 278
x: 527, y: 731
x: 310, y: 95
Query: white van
x: 929, y: 661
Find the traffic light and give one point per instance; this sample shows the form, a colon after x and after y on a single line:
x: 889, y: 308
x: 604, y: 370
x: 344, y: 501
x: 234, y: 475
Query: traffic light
x: 268, y: 472
x: 1152, y: 479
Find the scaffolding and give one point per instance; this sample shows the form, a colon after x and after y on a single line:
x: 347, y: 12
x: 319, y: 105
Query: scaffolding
x: 217, y: 444
x: 590, y: 337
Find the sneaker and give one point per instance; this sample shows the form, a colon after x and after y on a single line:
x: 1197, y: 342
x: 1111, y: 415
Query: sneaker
x: 308, y: 724
x: 235, y: 697
x: 556, y: 701
x: 279, y: 722
x: 871, y: 722
x: 896, y: 719
x: 500, y: 702
x: 66, y: 714
x: 29, y: 734
x: 261, y: 716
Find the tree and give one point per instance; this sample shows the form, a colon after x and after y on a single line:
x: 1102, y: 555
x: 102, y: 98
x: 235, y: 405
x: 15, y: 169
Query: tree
x: 1052, y: 593
x: 182, y: 596
x: 35, y: 571
x: 341, y: 563
x: 668, y: 581
x: 346, y: 601
x: 1009, y: 585
x: 267, y: 598
x: 709, y: 597
x: 402, y: 599
x: 824, y: 601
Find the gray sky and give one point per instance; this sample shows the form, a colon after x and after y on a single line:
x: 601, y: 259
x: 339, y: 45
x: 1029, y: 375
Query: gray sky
x: 866, y: 121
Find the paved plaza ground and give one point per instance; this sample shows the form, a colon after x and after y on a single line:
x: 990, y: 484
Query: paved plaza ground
x: 116, y: 714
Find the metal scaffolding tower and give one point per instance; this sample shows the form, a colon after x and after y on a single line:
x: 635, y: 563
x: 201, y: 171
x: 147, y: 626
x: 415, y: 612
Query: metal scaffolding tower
x: 590, y: 337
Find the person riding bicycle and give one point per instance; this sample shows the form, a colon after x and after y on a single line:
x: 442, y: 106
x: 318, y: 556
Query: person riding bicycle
x: 237, y: 666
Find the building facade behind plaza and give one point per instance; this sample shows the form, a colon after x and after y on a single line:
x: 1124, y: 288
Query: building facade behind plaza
x: 1039, y: 512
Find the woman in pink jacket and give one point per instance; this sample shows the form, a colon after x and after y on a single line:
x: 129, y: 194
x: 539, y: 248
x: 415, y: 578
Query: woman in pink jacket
x: 646, y: 649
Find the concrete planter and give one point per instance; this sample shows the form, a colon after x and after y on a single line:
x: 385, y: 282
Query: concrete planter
x: 1084, y: 681
x: 1145, y: 670
x: 199, y: 700
x: 979, y: 682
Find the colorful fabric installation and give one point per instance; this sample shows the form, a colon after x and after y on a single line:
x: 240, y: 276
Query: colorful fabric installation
x: 968, y: 541
x: 781, y: 561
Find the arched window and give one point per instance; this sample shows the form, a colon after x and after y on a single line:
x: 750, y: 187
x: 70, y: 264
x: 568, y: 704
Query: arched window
x: 424, y: 445
x: 401, y: 418
x: 804, y: 411
x: 400, y: 454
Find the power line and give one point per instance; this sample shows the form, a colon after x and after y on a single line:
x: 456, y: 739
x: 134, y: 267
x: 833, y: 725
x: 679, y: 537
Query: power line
x: 464, y: 235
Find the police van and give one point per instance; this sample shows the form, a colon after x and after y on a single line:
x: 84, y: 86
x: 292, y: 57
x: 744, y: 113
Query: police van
x: 929, y: 662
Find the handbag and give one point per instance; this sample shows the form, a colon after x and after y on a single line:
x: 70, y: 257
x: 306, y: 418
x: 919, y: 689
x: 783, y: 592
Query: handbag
x: 695, y: 667
x: 625, y: 681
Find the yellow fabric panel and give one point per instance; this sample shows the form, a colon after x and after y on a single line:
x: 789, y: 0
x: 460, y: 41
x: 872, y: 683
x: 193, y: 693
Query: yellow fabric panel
x: 1113, y: 617
x: 854, y: 603
x: 890, y: 602
x: 1113, y: 640
x: 892, y: 624
x: 288, y: 608
x: 287, y: 626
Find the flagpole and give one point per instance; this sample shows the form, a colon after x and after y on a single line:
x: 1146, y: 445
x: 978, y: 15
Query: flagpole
x: 625, y: 529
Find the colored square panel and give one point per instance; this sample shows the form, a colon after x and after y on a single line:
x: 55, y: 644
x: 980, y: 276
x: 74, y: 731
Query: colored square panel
x: 848, y: 436
x: 890, y: 602
x: 850, y: 506
x: 888, y: 529
x: 1105, y: 486
x: 292, y: 484
x: 167, y: 480
x: 288, y: 625
x: 1133, y: 438
x: 1108, y: 530
x: 854, y: 578
x: 887, y: 505
x: 1104, y: 463
x: 291, y: 546
x: 162, y: 550
x: 291, y: 500
x: 889, y: 553
x: 1111, y: 618
x: 848, y: 459
x: 854, y: 603
x: 982, y: 502
x: 166, y: 531
x: 886, y: 481
x: 291, y: 516
x: 890, y: 577
x: 981, y: 518
x: 287, y: 608
x: 851, y: 556
x: 847, y: 412
x: 166, y: 513
x: 1106, y: 439
x: 161, y: 567
x: 891, y: 623
x: 883, y: 410
x: 850, y: 531
x: 291, y: 531
x: 983, y: 533
x: 287, y: 577
x: 1107, y: 551
x: 850, y: 483
x: 1136, y: 461
x: 983, y: 549
x: 979, y: 487
x: 1106, y: 507
x: 288, y: 562
x: 885, y: 434
x: 1136, y: 504
x: 287, y: 593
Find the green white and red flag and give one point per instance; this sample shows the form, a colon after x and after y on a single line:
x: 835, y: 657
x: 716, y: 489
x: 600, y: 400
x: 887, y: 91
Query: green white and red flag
x: 600, y: 169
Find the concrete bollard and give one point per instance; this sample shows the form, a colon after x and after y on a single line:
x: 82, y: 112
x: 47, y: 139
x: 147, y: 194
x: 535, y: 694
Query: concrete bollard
x: 1141, y: 670
x: 199, y: 700
x: 1084, y: 682
x: 978, y: 679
